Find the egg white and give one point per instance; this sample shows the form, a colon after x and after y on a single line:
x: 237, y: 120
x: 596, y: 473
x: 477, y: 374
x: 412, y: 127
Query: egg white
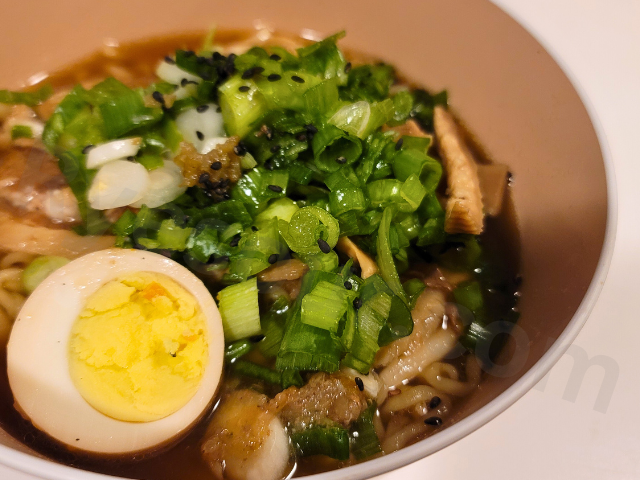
x: 38, y: 365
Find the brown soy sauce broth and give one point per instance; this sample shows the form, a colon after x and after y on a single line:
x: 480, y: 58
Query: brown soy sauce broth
x: 183, y: 460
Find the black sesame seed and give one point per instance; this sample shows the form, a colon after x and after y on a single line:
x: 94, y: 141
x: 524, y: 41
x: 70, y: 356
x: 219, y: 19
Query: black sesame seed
x: 226, y: 195
x: 169, y: 60
x: 244, y: 88
x: 202, y: 108
x: 269, y: 165
x: 399, y: 144
x: 517, y: 279
x: 224, y: 183
x: 275, y: 188
x: 131, y: 158
x: 273, y: 258
x: 274, y: 77
x: 254, y: 228
x: 240, y: 149
x: 200, y: 135
x: 247, y: 74
x: 219, y: 109
x: 324, y: 246
x: 301, y: 138
x: 216, y: 166
x: 356, y: 270
x: 360, y: 384
x: 347, y: 67
x: 341, y: 160
x: 435, y: 401
x: 348, y: 285
x: 275, y: 148
x: 230, y: 67
x: 433, y: 421
x: 77, y: 439
x: 157, y: 96
x: 357, y: 303
x: 275, y: 57
x: 509, y: 177
x: 258, y: 70
x: 297, y: 79
x: 86, y: 149
x: 311, y: 129
x: 217, y: 56
x: 184, y: 82
x: 203, y: 178
x: 234, y: 241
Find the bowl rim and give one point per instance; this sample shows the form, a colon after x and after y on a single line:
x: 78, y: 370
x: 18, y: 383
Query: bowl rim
x: 45, y: 469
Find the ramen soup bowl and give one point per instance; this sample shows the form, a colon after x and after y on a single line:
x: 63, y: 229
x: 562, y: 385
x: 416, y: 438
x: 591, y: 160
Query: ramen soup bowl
x: 509, y: 93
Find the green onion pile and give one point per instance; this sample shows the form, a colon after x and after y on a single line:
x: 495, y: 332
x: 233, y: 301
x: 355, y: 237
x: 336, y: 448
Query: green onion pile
x: 317, y: 165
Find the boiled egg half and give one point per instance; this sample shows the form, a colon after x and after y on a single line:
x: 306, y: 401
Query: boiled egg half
x: 117, y: 352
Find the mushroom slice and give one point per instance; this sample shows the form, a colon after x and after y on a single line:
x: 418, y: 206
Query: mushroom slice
x: 291, y: 269
x: 464, y: 203
x: 409, y: 128
x: 368, y: 266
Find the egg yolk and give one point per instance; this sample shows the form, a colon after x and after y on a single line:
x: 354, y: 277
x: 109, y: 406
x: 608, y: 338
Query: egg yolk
x: 138, y: 350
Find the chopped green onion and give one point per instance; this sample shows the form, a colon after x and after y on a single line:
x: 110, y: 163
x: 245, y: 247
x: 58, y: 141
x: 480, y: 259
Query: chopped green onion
x: 235, y: 350
x: 247, y: 162
x: 282, y: 208
x: 327, y: 262
x: 241, y: 110
x: 325, y: 305
x: 364, y: 439
x: 21, y: 131
x: 414, y: 289
x: 273, y: 327
x: 284, y: 379
x: 172, y: 237
x: 331, y: 144
x: 345, y: 194
x: 307, y: 226
x: 385, y: 258
x: 150, y: 162
x: 30, y: 99
x: 239, y: 310
x: 39, y: 269
x: 305, y: 347
x: 319, y: 440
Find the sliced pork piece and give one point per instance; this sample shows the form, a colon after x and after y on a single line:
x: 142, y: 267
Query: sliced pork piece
x: 33, y: 185
x: 245, y: 440
x: 464, y: 203
x: 326, y: 398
